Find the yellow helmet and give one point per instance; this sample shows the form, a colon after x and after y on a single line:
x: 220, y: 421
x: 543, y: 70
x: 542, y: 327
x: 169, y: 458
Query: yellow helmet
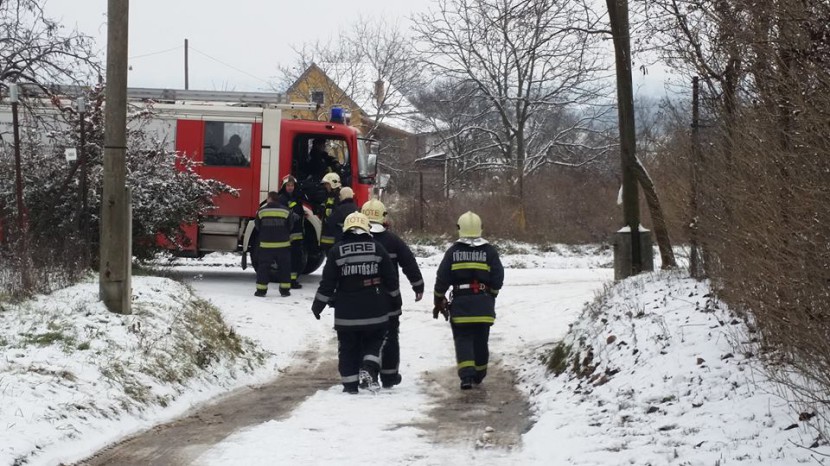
x: 333, y: 179
x: 469, y: 225
x: 356, y: 220
x: 346, y: 193
x: 374, y: 210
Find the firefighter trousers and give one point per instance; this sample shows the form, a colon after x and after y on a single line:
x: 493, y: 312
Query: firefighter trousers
x: 266, y: 257
x: 358, y: 349
x: 296, y: 258
x: 472, y: 352
x: 390, y: 355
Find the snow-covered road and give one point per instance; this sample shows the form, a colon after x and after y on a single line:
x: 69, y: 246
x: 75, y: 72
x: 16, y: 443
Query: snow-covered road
x: 535, y: 307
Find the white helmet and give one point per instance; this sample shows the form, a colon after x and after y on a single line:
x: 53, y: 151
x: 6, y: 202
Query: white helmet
x: 333, y: 179
x: 356, y: 221
x: 346, y: 193
x: 469, y: 225
x: 374, y: 210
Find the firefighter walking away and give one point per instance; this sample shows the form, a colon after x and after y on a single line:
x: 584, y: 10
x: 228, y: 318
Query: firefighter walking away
x: 401, y: 256
x: 472, y: 268
x: 273, y: 224
x: 358, y: 280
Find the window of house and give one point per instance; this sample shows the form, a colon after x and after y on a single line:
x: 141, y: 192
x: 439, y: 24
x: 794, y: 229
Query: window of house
x: 318, y: 97
x: 227, y: 144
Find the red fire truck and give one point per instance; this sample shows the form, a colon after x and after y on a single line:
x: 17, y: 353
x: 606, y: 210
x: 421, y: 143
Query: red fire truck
x: 265, y: 147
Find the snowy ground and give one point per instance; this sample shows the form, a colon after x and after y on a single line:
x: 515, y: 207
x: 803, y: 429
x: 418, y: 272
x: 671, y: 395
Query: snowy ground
x: 662, y: 407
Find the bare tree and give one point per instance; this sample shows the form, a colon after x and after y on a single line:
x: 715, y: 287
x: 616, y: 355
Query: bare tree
x: 36, y: 49
x: 530, y: 61
x: 371, y: 64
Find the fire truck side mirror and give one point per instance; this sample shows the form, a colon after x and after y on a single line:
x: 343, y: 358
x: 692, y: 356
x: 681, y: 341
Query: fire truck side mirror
x: 372, y: 164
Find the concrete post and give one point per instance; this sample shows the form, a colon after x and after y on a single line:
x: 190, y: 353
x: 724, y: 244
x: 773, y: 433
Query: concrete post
x: 623, y: 266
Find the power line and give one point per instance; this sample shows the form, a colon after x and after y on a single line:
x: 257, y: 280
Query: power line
x: 229, y: 66
x: 155, y: 53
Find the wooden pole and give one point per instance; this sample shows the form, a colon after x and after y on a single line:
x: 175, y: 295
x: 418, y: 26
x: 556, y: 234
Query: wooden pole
x: 83, y: 212
x: 618, y: 16
x: 695, y: 266
x: 421, y: 200
x: 22, y: 227
x: 116, y: 252
x: 186, y: 66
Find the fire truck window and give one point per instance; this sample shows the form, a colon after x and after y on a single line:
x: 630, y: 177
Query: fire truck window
x: 227, y: 144
x: 339, y: 150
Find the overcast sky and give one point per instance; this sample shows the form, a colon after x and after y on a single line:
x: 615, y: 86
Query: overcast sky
x: 252, y: 36
x: 235, y: 44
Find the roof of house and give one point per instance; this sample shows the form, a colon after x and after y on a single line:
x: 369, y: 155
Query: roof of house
x: 357, y: 81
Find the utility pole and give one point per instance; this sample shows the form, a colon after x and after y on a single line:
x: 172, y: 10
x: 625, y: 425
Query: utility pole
x: 22, y: 227
x: 186, y: 67
x: 116, y: 253
x: 83, y: 230
x: 695, y: 265
x: 618, y: 16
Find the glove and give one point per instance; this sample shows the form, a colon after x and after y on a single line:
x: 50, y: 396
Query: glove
x: 317, y: 309
x: 418, y: 296
x: 440, y: 307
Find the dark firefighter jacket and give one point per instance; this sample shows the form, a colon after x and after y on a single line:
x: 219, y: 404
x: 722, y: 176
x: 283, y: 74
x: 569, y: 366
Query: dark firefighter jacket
x: 401, y: 255
x: 358, y: 278
x: 475, y: 275
x: 333, y: 226
x: 330, y: 203
x: 292, y: 201
x: 274, y: 223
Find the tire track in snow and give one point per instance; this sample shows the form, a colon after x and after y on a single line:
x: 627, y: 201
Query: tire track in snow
x: 461, y: 416
x: 182, y: 441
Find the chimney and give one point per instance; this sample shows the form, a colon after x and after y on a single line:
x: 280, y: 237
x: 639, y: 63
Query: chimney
x: 379, y: 93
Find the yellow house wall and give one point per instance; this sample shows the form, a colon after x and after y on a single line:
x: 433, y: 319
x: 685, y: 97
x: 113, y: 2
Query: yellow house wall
x: 316, y: 80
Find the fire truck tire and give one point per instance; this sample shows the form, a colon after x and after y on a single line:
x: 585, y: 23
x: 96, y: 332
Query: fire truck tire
x: 313, y: 261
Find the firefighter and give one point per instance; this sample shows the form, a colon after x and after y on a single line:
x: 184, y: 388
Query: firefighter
x: 319, y: 162
x: 357, y: 279
x: 471, y: 266
x: 331, y: 182
x: 401, y: 256
x: 333, y: 225
x: 290, y: 197
x: 273, y: 224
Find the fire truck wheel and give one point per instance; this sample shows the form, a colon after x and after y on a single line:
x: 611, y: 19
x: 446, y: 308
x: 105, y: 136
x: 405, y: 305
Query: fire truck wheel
x: 313, y: 261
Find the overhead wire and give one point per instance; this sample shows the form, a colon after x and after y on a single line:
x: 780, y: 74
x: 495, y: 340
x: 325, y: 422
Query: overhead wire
x: 229, y: 65
x: 150, y: 54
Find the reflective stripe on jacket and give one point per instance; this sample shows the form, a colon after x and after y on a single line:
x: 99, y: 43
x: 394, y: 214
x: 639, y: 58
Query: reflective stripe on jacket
x: 477, y: 273
x: 273, y: 223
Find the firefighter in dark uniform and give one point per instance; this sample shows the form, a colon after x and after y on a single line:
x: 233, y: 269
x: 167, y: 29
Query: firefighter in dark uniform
x: 358, y: 280
x: 331, y: 182
x: 290, y: 197
x: 333, y: 225
x: 471, y: 266
x: 273, y: 223
x: 401, y: 256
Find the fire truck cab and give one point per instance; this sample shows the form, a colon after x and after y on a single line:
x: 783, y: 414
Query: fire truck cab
x: 242, y: 139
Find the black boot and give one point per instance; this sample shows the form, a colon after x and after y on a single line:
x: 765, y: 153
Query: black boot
x: 466, y: 383
x: 390, y: 380
x: 350, y: 388
x: 295, y: 285
x: 260, y: 293
x: 284, y: 292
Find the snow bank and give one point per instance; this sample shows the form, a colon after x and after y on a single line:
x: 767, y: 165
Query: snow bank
x: 652, y: 376
x: 75, y: 377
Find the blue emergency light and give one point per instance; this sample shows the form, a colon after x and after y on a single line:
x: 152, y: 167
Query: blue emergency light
x: 337, y: 115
